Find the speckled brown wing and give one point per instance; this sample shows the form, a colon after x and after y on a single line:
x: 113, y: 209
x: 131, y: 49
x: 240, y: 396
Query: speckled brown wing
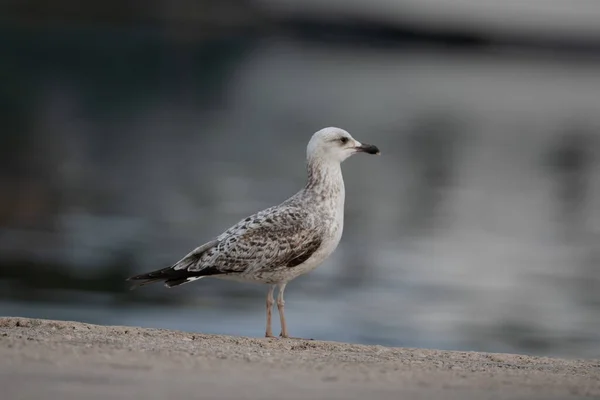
x: 276, y: 238
x: 270, y: 240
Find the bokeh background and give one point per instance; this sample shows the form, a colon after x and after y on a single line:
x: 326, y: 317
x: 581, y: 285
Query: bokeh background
x: 133, y: 131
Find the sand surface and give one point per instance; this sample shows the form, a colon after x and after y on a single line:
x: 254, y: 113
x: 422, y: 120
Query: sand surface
x: 42, y: 359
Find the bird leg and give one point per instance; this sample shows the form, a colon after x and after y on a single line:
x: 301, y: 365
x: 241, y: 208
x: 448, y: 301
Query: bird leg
x: 270, y: 303
x: 280, y: 308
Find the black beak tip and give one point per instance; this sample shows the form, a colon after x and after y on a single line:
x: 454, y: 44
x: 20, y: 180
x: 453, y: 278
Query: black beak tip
x: 370, y: 149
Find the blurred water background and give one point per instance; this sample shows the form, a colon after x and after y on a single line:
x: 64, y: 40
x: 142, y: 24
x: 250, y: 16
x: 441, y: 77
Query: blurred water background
x: 133, y: 132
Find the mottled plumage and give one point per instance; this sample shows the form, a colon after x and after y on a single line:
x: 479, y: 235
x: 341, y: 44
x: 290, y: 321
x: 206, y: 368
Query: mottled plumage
x: 279, y: 243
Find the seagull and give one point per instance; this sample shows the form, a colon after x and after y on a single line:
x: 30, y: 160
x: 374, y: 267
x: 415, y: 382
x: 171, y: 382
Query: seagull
x: 279, y: 243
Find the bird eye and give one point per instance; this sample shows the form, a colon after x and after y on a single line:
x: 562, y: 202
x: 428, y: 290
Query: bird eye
x: 344, y: 140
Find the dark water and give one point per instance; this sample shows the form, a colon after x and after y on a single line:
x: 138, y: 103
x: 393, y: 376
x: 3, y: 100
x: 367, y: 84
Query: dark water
x: 477, y: 229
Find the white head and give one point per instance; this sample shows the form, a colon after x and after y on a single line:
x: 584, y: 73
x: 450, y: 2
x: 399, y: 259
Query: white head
x: 335, y: 144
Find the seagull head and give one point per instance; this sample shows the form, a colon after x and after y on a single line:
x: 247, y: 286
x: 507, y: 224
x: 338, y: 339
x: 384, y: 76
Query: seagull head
x: 335, y: 144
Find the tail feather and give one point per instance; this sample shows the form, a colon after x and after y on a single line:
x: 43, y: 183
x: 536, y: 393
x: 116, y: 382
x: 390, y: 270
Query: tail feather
x: 171, y: 277
x: 179, y: 273
x: 176, y: 282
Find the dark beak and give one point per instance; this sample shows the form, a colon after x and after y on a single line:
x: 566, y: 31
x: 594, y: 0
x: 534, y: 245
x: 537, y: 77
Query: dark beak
x: 368, y: 148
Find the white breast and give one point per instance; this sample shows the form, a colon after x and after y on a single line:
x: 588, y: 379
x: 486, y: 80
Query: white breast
x: 331, y: 239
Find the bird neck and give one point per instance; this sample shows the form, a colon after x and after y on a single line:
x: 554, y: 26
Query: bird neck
x: 324, y: 178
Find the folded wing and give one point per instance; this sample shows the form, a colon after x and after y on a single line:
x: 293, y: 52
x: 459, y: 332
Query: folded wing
x: 275, y: 238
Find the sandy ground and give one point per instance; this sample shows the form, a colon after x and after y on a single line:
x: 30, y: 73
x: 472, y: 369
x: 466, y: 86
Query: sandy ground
x: 70, y: 360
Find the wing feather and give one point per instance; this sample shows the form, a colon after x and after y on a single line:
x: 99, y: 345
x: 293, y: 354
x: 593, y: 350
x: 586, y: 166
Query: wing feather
x: 272, y: 239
